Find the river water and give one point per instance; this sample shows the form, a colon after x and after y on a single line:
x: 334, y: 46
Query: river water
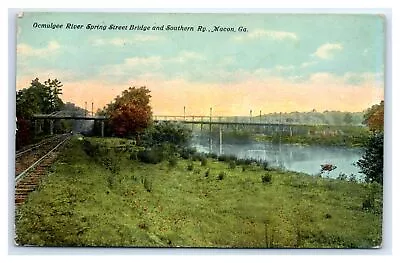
x: 300, y: 158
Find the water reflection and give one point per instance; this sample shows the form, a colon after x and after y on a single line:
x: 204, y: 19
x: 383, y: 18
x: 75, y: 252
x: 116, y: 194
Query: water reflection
x: 300, y: 158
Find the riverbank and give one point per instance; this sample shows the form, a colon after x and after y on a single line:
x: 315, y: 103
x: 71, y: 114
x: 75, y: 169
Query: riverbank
x: 115, y: 200
x: 347, y: 136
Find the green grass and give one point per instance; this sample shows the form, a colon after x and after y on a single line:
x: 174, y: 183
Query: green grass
x: 83, y: 202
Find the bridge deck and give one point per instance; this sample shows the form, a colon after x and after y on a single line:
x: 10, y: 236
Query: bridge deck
x: 233, y: 123
x: 58, y: 117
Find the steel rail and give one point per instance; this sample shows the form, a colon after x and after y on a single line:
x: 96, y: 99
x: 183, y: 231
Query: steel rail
x: 17, y: 154
x: 19, y: 177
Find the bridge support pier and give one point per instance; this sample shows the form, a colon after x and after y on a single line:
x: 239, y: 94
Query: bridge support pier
x: 102, y: 128
x: 220, y: 140
x: 51, y: 127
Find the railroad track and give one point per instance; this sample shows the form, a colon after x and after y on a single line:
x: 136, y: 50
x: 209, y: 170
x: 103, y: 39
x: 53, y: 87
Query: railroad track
x: 27, y: 179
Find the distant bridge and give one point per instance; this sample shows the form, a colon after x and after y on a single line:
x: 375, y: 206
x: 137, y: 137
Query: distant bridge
x: 227, y: 120
x: 66, y: 115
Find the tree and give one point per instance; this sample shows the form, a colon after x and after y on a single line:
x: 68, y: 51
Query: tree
x: 37, y: 98
x: 347, y: 119
x: 374, y: 117
x: 130, y: 113
x: 371, y: 163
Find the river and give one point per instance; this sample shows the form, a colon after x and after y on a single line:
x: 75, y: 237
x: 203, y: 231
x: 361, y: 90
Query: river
x: 292, y: 157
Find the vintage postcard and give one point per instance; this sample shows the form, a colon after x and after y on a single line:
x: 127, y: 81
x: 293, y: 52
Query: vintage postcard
x: 199, y: 130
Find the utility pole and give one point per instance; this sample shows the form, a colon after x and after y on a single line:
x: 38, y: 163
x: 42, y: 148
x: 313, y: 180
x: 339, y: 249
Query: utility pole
x: 251, y: 114
x: 210, y: 138
x: 184, y: 113
x: 92, y: 108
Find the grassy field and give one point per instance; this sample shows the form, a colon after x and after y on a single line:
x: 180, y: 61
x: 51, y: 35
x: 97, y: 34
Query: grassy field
x: 112, y: 200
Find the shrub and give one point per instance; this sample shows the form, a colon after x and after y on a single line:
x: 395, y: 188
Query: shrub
x: 172, y: 162
x: 232, y: 164
x: 266, y: 178
x: 225, y: 158
x: 342, y: 176
x: 368, y: 203
x: 190, y: 167
x: 212, y: 155
x: 371, y: 163
x: 92, y: 150
x: 166, y: 133
x: 186, y: 153
x: 152, y: 156
x: 328, y: 216
x: 221, y: 175
x: 203, y: 161
x: 265, y: 165
x: 147, y: 184
x: 208, y: 172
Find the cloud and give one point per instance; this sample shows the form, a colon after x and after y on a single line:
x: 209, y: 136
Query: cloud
x: 360, y: 77
x: 117, y: 41
x: 308, y: 64
x: 138, y: 66
x: 326, y: 51
x: 28, y: 51
x: 185, y: 56
x: 284, y: 68
x: 270, y: 34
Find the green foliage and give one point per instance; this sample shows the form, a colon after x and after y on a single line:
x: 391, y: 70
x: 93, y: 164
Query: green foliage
x: 347, y: 119
x: 148, y: 185
x: 371, y: 163
x: 266, y: 178
x: 39, y: 98
x: 190, y: 166
x: 186, y: 153
x: 373, y: 200
x: 130, y: 113
x: 203, y: 161
x: 232, y: 164
x: 153, y: 156
x: 374, y: 117
x: 92, y: 150
x: 172, y: 162
x: 321, y: 135
x: 166, y: 132
x: 221, y: 175
x: 75, y: 206
x: 207, y: 173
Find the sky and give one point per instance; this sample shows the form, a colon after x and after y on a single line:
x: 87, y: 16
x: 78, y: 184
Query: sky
x: 279, y: 63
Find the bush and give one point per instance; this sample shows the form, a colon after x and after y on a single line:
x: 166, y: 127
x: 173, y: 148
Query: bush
x: 226, y: 158
x: 147, y: 184
x: 166, y: 133
x: 208, y: 172
x: 266, y: 178
x: 203, y: 161
x: 265, y: 166
x: 152, y: 156
x: 232, y: 164
x: 221, y: 175
x: 371, y: 163
x: 190, y: 167
x: 187, y: 153
x: 342, y: 177
x: 172, y: 162
x: 212, y: 155
x: 92, y: 150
